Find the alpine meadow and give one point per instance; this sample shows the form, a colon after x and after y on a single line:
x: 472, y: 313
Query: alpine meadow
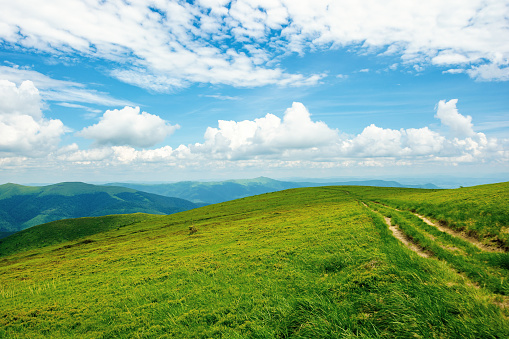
x: 320, y: 262
x: 254, y: 169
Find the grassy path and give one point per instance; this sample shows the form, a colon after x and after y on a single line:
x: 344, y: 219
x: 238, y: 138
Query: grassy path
x: 482, y: 266
x: 401, y: 236
x: 454, y: 233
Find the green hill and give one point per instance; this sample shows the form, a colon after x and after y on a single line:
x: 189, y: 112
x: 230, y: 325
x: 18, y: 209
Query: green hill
x: 302, y: 263
x: 22, y: 207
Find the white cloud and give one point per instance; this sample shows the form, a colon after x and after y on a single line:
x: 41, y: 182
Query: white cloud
x: 23, y: 128
x: 489, y: 72
x: 221, y: 97
x: 267, y: 135
x: 166, y: 45
x: 460, y: 126
x: 128, y: 127
x: 86, y: 156
x: 384, y: 142
x: 59, y: 90
x: 466, y: 30
x: 296, y: 141
x: 450, y: 58
x: 291, y: 143
x: 22, y: 100
x: 454, y: 71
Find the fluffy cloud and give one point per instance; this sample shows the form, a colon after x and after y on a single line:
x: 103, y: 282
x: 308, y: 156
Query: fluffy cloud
x: 267, y: 135
x: 296, y: 141
x: 379, y: 142
x: 23, y: 128
x: 128, y: 127
x: 459, y: 125
x: 171, y: 44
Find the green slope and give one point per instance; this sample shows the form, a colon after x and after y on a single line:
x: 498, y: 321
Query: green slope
x: 303, y: 263
x: 60, y: 231
x: 22, y: 207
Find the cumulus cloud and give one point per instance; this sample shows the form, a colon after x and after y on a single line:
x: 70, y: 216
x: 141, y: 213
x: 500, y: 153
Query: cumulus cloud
x: 267, y: 135
x: 23, y: 128
x: 22, y: 100
x: 297, y: 141
x: 385, y: 142
x: 171, y: 44
x: 460, y: 126
x: 128, y: 126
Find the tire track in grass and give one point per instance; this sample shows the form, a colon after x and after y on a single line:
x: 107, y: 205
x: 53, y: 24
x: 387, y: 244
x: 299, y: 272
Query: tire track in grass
x: 450, y: 231
x: 495, y: 298
x: 398, y: 234
x: 460, y: 235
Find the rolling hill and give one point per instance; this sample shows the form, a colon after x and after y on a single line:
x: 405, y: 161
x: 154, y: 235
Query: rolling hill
x: 323, y: 262
x: 25, y: 206
x: 214, y: 192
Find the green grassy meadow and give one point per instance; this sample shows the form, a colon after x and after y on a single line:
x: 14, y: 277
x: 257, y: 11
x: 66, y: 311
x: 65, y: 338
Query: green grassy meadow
x: 302, y: 263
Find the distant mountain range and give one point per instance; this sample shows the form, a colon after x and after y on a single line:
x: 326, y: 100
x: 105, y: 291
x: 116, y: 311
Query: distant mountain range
x: 221, y: 191
x: 24, y: 206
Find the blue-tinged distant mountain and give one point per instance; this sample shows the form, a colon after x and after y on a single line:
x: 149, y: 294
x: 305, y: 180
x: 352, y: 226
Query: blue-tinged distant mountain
x: 213, y: 192
x: 376, y: 183
x: 25, y: 206
x: 220, y: 191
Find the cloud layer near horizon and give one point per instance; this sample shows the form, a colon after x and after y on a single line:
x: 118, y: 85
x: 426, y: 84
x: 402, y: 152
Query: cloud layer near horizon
x: 122, y: 137
x: 171, y: 44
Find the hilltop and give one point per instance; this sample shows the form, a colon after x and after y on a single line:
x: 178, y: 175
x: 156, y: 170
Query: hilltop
x: 22, y: 207
x: 302, y: 263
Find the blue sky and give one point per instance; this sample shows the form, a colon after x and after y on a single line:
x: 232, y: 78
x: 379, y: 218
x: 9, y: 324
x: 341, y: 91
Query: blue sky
x: 215, y: 89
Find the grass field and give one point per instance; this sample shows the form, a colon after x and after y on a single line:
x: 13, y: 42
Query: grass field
x: 302, y: 263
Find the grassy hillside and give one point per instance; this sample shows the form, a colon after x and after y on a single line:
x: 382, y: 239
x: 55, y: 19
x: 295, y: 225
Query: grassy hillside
x: 60, y: 231
x: 303, y: 263
x: 23, y: 206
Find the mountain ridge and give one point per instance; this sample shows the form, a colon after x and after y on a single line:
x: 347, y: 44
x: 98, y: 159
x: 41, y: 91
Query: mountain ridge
x: 212, y: 192
x: 22, y: 207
